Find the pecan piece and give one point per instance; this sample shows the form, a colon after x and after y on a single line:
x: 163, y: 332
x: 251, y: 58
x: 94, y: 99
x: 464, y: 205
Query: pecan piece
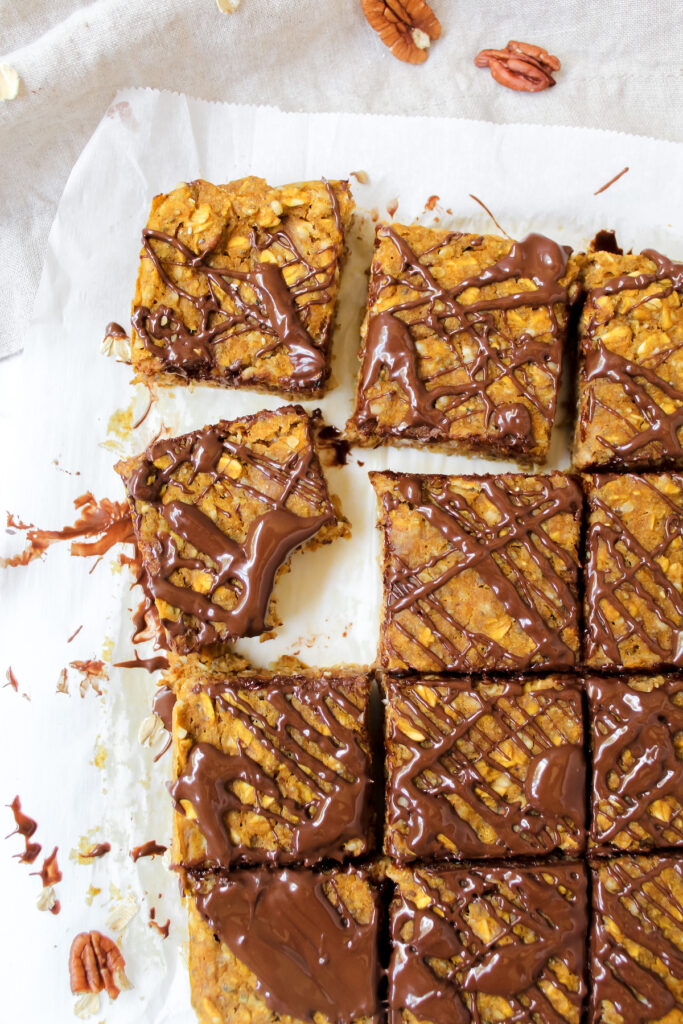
x: 96, y: 963
x: 405, y: 26
x: 520, y: 66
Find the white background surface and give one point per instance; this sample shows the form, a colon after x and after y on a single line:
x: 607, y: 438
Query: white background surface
x: 56, y: 401
x: 621, y: 69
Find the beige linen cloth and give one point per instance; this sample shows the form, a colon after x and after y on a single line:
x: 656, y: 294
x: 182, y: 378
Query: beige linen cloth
x: 621, y: 70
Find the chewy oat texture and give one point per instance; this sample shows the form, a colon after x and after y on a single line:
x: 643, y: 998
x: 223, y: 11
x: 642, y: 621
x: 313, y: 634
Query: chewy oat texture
x: 462, y: 342
x: 487, y: 944
x: 238, y: 285
x: 217, y: 514
x: 480, y: 573
x: 270, y: 769
x: 630, y: 401
x: 487, y: 768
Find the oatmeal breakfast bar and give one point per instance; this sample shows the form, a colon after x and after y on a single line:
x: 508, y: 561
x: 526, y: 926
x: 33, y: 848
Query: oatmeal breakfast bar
x: 636, y: 943
x: 634, y: 571
x: 479, y: 572
x: 630, y: 399
x: 270, y: 769
x: 636, y: 727
x: 285, y: 946
x: 217, y: 514
x: 462, y: 342
x: 488, y: 943
x: 485, y: 768
x: 238, y: 284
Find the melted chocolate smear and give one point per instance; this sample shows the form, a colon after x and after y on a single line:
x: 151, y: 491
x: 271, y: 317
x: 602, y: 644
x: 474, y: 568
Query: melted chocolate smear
x: 635, y: 761
x: 486, y: 210
x: 108, y: 521
x: 95, y: 852
x: 638, y: 994
x: 149, y: 849
x: 276, y: 310
x: 308, y: 954
x: 114, y: 330
x: 606, y: 241
x: 248, y: 568
x: 50, y: 873
x: 163, y: 929
x: 608, y: 184
x: 338, y: 809
x: 149, y: 664
x: 550, y: 805
x: 25, y: 827
x: 330, y: 439
x: 390, y: 353
x: 442, y: 931
x: 522, y: 516
x: 619, y: 567
x: 660, y: 437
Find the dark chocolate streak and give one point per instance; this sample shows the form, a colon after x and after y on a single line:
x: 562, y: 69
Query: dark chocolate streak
x: 661, y: 432
x: 456, y: 758
x: 275, y: 312
x: 638, y: 993
x: 512, y: 970
x: 631, y: 571
x: 248, y: 568
x: 390, y: 351
x: 635, y: 762
x: 308, y: 954
x: 522, y: 515
x: 336, y: 812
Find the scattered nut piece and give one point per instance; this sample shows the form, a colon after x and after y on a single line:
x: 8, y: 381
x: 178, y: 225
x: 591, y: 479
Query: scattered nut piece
x: 520, y: 66
x: 406, y: 26
x: 228, y: 6
x: 47, y: 899
x: 96, y: 964
x: 62, y: 682
x: 116, y: 343
x: 150, y: 729
x: 87, y: 1004
x: 9, y: 83
x: 362, y: 177
x: 392, y: 207
x: 122, y: 914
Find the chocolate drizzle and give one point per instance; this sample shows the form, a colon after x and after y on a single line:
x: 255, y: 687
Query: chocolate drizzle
x: 246, y: 569
x: 639, y: 895
x: 229, y: 301
x: 635, y: 763
x: 298, y: 726
x: 545, y: 610
x: 609, y: 377
x: 444, y: 795
x: 521, y: 901
x: 474, y: 337
x: 307, y: 952
x: 625, y: 580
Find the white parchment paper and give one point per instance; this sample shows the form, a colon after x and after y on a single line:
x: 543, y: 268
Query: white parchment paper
x: 65, y: 417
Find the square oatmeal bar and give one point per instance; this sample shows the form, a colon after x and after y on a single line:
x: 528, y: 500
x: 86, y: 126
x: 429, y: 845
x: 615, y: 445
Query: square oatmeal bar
x: 480, y: 573
x: 462, y: 342
x: 238, y: 285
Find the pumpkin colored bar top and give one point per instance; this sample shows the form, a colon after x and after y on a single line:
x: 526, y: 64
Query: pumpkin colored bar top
x: 269, y: 769
x: 480, y: 573
x: 462, y: 342
x: 217, y: 514
x: 238, y: 285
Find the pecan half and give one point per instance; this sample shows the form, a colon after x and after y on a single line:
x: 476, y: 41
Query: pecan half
x: 405, y: 26
x: 520, y: 66
x: 96, y: 963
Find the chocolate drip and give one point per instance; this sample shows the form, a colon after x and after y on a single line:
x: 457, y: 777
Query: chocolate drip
x: 545, y: 803
x: 629, y: 572
x: 308, y: 953
x: 658, y: 437
x: 275, y: 311
x: 486, y: 548
x: 25, y: 828
x: 390, y: 353
x: 638, y: 899
x: 149, y: 849
x: 246, y: 568
x: 635, y: 762
x: 95, y: 852
x: 337, y: 811
x: 514, y: 968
